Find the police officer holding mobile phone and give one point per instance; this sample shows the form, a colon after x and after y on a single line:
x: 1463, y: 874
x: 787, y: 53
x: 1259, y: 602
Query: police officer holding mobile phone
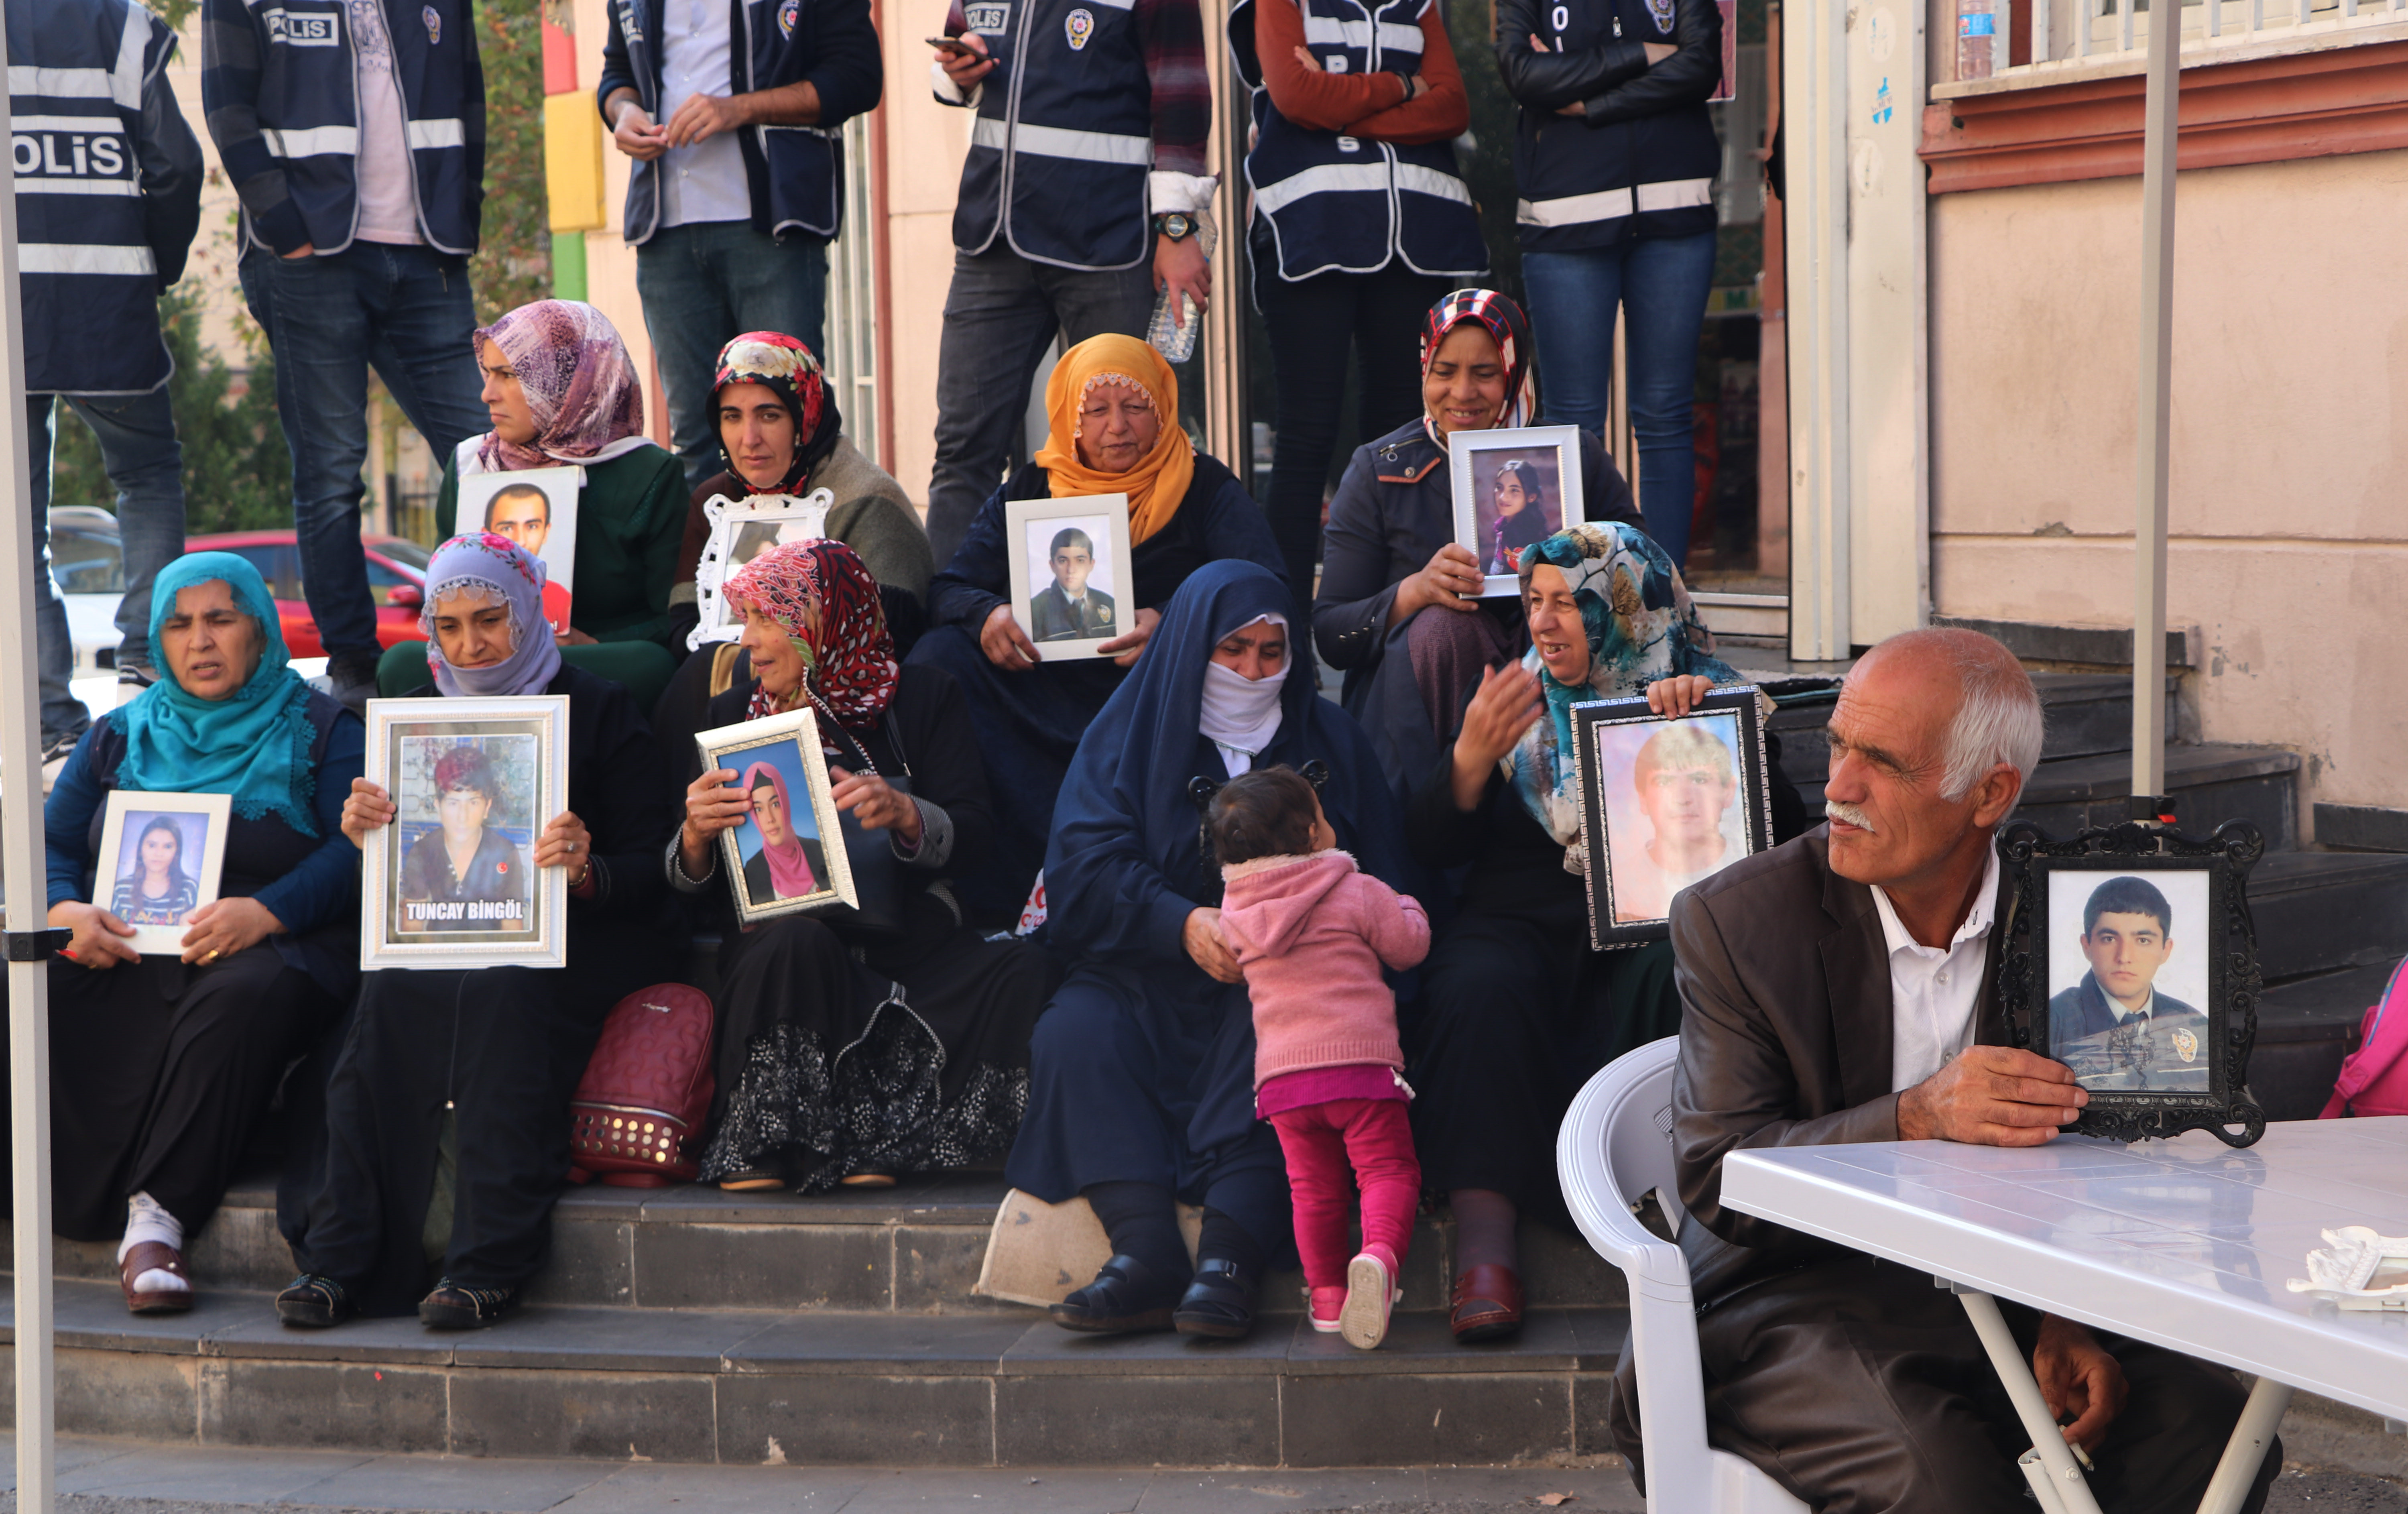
x: 1080, y: 197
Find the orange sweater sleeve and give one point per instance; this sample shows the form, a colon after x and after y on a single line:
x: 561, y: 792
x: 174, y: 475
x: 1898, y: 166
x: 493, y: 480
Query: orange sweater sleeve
x: 1313, y: 98
x: 1442, y: 113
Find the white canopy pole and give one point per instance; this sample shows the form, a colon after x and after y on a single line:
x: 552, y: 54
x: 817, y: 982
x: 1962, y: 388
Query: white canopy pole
x: 2157, y: 390
x: 22, y: 872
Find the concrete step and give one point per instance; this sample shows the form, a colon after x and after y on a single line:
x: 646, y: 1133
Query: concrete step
x: 2087, y: 715
x: 753, y: 1387
x: 912, y: 1249
x: 2305, y: 1026
x: 2318, y: 911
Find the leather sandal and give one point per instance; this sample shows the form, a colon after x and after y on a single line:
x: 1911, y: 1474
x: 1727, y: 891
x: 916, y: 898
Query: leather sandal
x: 1127, y: 1297
x: 1219, y: 1304
x: 1486, y: 1305
x: 154, y: 1256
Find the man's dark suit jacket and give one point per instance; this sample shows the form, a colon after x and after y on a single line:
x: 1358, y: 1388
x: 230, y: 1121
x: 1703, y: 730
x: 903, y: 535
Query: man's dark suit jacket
x: 2083, y: 1010
x: 1057, y: 621
x: 1785, y: 1028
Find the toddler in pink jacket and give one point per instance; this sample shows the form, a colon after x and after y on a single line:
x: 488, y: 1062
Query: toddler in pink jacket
x: 1310, y: 935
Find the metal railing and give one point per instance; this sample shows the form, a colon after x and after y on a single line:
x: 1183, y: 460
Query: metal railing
x: 852, y: 355
x: 2066, y: 31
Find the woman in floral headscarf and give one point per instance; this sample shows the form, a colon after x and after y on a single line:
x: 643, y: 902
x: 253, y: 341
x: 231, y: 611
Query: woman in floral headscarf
x: 1389, y: 552
x: 853, y: 1047
x: 1113, y: 408
x: 562, y: 393
x: 1516, y: 1010
x: 780, y: 432
x: 480, y: 1064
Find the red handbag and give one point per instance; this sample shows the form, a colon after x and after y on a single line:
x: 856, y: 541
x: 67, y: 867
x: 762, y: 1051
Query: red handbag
x: 646, y: 1093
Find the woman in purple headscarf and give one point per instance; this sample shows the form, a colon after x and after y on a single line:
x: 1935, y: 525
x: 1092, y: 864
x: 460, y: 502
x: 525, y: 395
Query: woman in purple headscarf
x: 562, y: 393
x: 493, y: 1053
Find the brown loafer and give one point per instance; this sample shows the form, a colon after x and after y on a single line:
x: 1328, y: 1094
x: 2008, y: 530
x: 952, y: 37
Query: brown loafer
x: 1486, y: 1305
x: 151, y: 1256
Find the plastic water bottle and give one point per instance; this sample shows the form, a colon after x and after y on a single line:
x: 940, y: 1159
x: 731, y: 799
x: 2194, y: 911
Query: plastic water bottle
x: 1176, y: 343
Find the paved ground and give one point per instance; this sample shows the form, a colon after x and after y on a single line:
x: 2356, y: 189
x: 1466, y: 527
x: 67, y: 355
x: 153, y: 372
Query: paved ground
x: 103, y: 1477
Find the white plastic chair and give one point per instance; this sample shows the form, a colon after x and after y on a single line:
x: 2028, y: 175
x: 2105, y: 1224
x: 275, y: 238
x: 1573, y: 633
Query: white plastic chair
x: 1616, y: 1144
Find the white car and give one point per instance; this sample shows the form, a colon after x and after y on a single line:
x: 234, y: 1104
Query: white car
x: 89, y: 567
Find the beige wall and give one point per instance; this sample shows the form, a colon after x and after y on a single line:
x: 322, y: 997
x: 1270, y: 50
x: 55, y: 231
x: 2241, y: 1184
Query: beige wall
x: 926, y: 144
x: 2289, y: 514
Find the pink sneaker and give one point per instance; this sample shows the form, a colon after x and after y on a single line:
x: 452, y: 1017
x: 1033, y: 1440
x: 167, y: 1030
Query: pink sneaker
x: 1327, y: 1302
x: 1371, y: 1293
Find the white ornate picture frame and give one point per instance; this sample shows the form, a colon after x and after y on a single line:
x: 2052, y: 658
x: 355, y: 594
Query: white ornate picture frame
x: 740, y: 528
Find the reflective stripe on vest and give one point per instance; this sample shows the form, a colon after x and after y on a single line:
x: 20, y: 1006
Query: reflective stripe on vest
x: 59, y: 257
x: 1053, y: 142
x: 1613, y: 204
x: 311, y: 142
x: 443, y: 131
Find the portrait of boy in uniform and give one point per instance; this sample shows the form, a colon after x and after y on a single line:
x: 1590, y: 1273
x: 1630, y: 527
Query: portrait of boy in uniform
x: 2119, y: 1027
x: 465, y: 874
x: 1072, y: 607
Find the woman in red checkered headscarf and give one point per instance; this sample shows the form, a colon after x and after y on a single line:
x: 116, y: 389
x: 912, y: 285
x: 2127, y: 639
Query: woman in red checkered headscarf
x: 934, y: 1020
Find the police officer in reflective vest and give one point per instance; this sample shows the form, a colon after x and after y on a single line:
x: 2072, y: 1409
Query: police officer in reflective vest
x: 1361, y: 222
x: 1083, y: 193
x: 1615, y: 156
x: 108, y: 195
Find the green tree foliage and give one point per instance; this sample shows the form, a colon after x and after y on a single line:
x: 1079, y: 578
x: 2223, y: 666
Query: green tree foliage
x: 238, y: 475
x: 513, y: 261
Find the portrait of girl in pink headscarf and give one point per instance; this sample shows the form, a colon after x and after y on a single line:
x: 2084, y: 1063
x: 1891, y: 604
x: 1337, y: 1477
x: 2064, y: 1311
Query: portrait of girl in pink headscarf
x: 789, y: 862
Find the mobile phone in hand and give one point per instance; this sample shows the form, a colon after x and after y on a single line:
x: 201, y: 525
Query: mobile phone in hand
x: 949, y: 44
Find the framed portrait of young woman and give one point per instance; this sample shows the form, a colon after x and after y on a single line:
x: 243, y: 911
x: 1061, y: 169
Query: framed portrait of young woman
x: 1513, y: 489
x: 787, y: 856
x: 452, y: 882
x: 160, y: 859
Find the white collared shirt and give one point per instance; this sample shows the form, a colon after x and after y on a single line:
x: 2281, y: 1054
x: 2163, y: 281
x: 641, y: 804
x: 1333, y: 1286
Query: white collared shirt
x: 1935, y: 992
x: 705, y: 181
x: 2148, y: 1005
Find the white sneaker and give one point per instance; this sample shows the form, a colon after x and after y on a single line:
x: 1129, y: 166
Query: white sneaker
x: 1371, y: 1294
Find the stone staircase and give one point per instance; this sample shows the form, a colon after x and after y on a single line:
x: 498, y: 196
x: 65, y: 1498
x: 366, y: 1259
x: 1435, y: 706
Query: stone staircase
x: 2329, y: 924
x: 689, y: 1325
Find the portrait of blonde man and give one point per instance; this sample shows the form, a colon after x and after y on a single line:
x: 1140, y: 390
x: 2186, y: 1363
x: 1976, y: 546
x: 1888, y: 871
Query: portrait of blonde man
x: 1686, y: 783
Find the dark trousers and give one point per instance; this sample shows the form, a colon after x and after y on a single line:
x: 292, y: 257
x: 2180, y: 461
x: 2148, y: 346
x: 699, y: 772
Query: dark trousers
x: 407, y: 311
x: 1863, y: 1390
x: 159, y: 1075
x: 1315, y: 324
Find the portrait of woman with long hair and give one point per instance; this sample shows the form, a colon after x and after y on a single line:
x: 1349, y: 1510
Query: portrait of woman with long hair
x: 158, y: 890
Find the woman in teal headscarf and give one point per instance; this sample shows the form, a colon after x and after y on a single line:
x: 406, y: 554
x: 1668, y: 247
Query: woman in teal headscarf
x: 161, y: 1065
x: 1516, y: 1010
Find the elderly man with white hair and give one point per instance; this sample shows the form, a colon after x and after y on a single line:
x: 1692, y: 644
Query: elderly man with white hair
x: 1842, y: 988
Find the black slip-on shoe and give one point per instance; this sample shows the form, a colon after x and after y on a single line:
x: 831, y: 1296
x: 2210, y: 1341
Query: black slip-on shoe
x: 311, y: 1301
x: 455, y: 1306
x: 1219, y: 1304
x: 1127, y: 1298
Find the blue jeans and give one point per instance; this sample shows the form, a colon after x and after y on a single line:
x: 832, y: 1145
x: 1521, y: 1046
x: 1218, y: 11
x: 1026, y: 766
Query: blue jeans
x: 139, y: 450
x: 705, y: 284
x: 404, y: 309
x: 1662, y: 282
x: 1001, y: 315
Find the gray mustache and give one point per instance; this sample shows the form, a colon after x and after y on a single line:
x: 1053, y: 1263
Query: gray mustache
x: 1849, y: 815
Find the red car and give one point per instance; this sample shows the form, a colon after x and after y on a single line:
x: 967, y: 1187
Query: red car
x: 397, y: 581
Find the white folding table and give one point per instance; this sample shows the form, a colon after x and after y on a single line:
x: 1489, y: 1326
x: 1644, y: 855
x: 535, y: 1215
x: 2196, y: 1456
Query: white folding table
x: 2185, y: 1244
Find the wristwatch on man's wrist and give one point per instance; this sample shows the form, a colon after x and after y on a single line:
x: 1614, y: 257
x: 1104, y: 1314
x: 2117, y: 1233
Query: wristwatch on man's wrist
x: 1178, y: 225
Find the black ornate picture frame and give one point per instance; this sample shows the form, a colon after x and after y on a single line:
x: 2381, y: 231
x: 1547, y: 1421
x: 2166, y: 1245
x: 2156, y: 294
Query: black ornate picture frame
x: 1614, y: 743
x: 2083, y: 982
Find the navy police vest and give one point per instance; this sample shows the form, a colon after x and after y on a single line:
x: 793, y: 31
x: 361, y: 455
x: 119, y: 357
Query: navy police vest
x: 1346, y: 204
x: 1064, y: 137
x: 90, y: 282
x: 1586, y: 186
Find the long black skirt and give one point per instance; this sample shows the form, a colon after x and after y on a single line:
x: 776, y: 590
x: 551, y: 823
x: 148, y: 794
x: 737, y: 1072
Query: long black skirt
x: 496, y: 1055
x: 1516, y: 1012
x: 160, y: 1074
x: 894, y: 1056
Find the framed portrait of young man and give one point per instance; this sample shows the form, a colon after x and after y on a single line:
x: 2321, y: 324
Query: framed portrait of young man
x: 161, y: 856
x: 2133, y: 963
x: 741, y: 531
x: 536, y: 508
x: 1071, y: 578
x: 452, y: 882
x: 787, y: 856
x: 1666, y: 803
x: 1513, y: 489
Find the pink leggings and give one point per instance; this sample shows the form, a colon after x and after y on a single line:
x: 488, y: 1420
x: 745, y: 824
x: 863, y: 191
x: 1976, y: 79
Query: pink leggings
x: 1322, y: 1142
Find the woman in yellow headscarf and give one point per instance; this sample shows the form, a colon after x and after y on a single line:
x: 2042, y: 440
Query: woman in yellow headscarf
x: 1112, y: 412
